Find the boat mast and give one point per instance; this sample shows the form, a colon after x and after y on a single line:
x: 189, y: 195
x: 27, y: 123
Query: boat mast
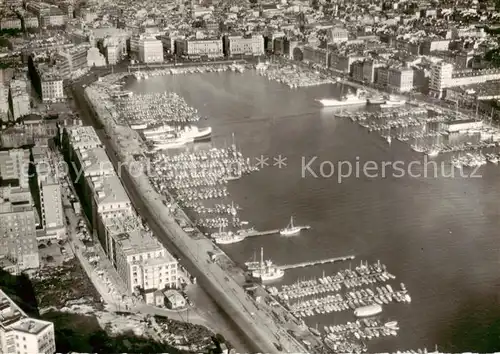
x: 262, y: 258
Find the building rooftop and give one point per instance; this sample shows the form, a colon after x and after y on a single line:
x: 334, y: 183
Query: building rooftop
x: 134, y: 239
x: 12, y: 317
x: 108, y: 190
x: 83, y: 137
x: 95, y: 162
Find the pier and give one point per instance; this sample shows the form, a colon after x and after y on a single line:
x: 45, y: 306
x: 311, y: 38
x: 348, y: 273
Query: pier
x: 268, y: 232
x: 320, y: 261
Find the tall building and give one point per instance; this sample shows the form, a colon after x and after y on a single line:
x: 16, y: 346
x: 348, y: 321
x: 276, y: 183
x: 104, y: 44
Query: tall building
x: 18, y: 242
x: 150, y: 50
x: 14, y: 167
x: 21, y: 334
x: 441, y: 74
x: 19, y: 99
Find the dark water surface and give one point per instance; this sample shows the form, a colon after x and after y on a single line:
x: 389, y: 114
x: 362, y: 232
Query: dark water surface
x: 437, y: 235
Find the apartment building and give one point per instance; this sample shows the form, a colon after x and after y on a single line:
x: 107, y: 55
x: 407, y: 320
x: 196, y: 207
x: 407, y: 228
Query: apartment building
x: 239, y: 45
x: 19, y: 99
x: 21, y: 334
x: 196, y: 48
x: 4, y: 102
x: 138, y: 257
x: 18, y: 242
x: 52, y: 211
x: 315, y: 55
x: 14, y: 165
x: 72, y: 60
x: 51, y: 84
x: 444, y: 75
x: 150, y: 50
x: 400, y: 79
x: 338, y: 35
x: 10, y: 22
x: 141, y: 261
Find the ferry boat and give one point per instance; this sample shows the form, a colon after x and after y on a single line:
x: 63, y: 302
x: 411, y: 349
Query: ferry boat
x: 228, y: 239
x: 348, y: 100
x: 290, y: 229
x: 393, y: 102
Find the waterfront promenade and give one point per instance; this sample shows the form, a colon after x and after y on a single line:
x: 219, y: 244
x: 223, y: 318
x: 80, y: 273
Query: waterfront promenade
x: 256, y: 324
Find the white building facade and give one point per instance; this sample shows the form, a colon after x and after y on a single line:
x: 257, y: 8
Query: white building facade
x: 238, y: 45
x: 150, y: 50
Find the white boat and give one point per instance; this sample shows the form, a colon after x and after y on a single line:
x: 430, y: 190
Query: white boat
x: 389, y: 140
x: 290, y: 229
x: 376, y: 100
x: 393, y: 102
x: 267, y: 271
x: 348, y: 100
x: 197, y: 134
x: 158, y: 130
x: 138, y: 126
x: 433, y: 152
x: 228, y: 238
x: 366, y: 311
x: 172, y: 143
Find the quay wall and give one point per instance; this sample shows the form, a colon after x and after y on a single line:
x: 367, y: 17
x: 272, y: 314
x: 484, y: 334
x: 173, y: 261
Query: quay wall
x: 230, y: 297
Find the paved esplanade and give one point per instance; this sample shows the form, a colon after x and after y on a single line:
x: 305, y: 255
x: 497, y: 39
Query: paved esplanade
x: 257, y: 325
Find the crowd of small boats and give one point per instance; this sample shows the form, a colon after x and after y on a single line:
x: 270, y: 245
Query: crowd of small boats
x: 340, y: 338
x: 428, y: 134
x: 197, y: 177
x: 294, y: 76
x: 179, y: 70
x: 142, y: 110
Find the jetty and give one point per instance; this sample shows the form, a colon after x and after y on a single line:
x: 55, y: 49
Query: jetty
x: 256, y: 233
x: 317, y: 262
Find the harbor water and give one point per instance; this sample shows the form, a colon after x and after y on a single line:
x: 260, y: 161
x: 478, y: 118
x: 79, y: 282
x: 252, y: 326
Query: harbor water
x: 437, y: 235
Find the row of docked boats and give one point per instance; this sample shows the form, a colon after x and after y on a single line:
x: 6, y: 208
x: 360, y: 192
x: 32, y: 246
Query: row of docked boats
x: 365, y: 302
x: 364, y: 274
x: 469, y: 160
x: 351, y: 337
x: 179, y: 70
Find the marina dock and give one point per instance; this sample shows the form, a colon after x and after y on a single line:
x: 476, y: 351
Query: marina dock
x: 320, y: 261
x: 268, y: 232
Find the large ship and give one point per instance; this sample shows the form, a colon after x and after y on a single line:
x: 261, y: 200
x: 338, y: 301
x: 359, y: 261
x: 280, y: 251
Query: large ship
x: 267, y: 271
x: 291, y: 229
x: 393, y: 102
x: 348, y: 100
